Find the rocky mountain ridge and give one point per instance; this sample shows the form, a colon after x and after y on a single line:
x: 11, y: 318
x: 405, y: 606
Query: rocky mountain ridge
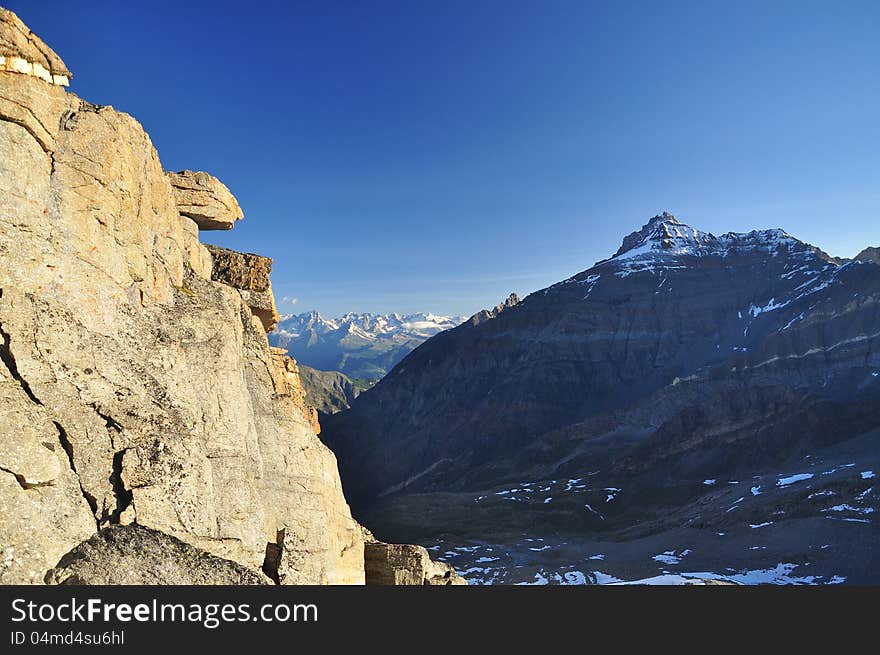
x: 683, y: 357
x: 364, y: 346
x: 330, y: 392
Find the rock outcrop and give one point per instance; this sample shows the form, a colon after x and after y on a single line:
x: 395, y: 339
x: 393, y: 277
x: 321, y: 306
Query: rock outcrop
x: 488, y: 314
x: 405, y: 564
x: 22, y: 51
x: 135, y: 555
x: 249, y: 274
x: 205, y: 199
x: 136, y: 380
x: 870, y: 254
x: 287, y: 380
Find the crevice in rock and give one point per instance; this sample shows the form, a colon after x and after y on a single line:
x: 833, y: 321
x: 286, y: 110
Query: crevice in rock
x: 272, y: 560
x: 68, y: 448
x: 110, y: 422
x: 44, y: 146
x: 124, y: 497
x: 8, y: 360
x: 22, y: 482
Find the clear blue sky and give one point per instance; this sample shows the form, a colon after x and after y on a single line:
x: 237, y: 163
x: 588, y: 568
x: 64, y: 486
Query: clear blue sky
x: 438, y: 155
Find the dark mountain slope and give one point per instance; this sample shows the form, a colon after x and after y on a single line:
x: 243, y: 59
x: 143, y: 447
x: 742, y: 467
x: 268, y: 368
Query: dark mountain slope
x: 677, y: 321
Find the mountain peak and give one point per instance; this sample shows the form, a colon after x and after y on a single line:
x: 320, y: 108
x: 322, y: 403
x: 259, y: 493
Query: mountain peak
x: 664, y: 239
x: 664, y: 217
x: 664, y: 231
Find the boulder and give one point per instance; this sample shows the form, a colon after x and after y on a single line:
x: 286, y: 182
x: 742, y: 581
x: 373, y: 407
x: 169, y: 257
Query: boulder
x: 205, y: 199
x: 136, y: 555
x: 405, y: 564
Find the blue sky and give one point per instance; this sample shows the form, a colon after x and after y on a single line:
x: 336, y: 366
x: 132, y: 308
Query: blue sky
x: 437, y: 155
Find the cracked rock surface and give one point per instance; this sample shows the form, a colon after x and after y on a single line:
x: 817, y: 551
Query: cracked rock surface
x: 133, y: 388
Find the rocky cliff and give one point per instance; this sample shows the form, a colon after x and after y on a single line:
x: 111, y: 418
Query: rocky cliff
x: 137, y: 386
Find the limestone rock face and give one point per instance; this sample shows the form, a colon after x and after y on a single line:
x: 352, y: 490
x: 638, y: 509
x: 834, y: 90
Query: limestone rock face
x: 197, y: 255
x: 205, y: 199
x: 249, y: 274
x: 286, y: 379
x: 135, y: 555
x: 42, y: 510
x: 134, y: 388
x: 148, y: 433
x: 22, y: 51
x: 405, y: 564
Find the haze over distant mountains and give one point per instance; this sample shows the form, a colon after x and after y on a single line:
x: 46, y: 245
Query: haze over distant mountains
x: 694, y: 405
x: 362, y: 346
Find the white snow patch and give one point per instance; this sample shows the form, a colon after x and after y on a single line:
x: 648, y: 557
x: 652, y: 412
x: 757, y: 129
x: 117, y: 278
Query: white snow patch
x: 735, y: 504
x: 590, y: 507
x: 540, y: 579
x: 666, y: 579
x: 850, y: 508
x: 837, y: 468
x: 604, y: 578
x: 791, y: 479
x: 669, y: 557
x: 771, y: 306
x: 574, y: 578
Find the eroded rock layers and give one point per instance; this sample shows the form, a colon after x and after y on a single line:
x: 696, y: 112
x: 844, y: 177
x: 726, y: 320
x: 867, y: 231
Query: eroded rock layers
x: 137, y: 386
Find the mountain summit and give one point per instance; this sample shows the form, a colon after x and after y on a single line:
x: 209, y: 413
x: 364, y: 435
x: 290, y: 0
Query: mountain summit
x: 664, y: 238
x: 685, y: 357
x: 665, y: 232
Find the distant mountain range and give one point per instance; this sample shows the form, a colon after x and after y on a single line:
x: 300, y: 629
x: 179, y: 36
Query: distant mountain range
x: 693, y: 406
x: 362, y: 346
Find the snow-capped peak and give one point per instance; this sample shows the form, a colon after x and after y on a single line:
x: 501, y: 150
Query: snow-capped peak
x: 665, y: 233
x: 367, y: 325
x: 664, y: 240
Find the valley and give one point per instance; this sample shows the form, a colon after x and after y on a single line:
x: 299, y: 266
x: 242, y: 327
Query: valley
x: 590, y: 418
